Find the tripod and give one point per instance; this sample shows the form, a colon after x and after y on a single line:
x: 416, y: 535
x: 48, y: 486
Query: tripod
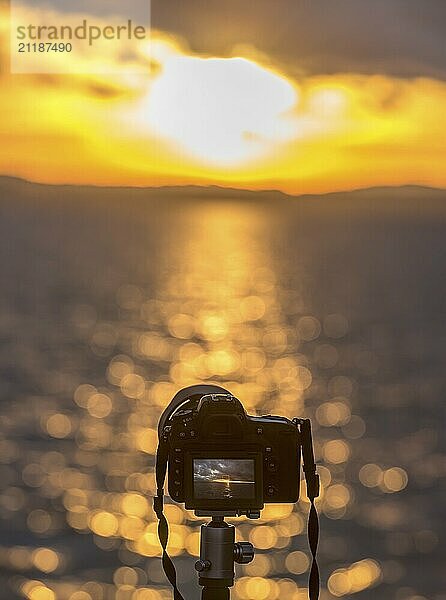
x: 218, y: 552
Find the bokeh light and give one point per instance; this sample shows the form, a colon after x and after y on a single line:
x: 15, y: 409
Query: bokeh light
x: 77, y: 458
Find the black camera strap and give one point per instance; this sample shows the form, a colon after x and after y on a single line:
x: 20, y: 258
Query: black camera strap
x: 312, y: 482
x: 158, y: 505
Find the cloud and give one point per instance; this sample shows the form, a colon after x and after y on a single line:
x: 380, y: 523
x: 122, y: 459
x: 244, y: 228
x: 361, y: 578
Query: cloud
x: 138, y: 9
x: 394, y: 37
x: 240, y: 120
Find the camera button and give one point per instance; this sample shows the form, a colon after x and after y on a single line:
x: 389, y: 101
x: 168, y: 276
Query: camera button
x: 272, y: 465
x: 271, y: 490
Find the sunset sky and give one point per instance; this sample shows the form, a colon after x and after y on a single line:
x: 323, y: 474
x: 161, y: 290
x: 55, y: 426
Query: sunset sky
x: 291, y: 95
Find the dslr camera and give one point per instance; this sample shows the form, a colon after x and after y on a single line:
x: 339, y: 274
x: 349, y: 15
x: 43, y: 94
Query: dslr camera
x: 224, y: 461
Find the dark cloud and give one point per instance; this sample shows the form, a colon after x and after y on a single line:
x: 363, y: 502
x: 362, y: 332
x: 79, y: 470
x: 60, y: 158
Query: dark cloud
x: 397, y: 37
x: 130, y: 9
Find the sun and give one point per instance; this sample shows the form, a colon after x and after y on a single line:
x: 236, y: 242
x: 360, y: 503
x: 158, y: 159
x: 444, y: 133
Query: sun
x: 221, y: 110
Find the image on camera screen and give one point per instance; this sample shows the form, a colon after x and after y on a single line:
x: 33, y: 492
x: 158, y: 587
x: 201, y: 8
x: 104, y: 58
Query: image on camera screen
x: 224, y: 479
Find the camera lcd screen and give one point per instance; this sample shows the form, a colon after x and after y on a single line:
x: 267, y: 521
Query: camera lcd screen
x: 224, y: 478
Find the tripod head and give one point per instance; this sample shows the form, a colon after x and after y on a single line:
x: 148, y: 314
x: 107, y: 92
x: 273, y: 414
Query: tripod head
x: 218, y: 552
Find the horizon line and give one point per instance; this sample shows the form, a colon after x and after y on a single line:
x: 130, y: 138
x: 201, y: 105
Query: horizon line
x: 220, y: 187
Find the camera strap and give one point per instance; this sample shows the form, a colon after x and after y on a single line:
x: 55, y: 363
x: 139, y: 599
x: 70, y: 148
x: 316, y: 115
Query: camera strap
x: 312, y: 481
x: 158, y: 505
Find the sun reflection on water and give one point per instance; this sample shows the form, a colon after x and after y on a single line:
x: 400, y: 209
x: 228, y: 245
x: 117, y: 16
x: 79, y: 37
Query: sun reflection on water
x: 220, y: 311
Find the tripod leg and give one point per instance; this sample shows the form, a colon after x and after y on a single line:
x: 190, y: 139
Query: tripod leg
x: 212, y: 593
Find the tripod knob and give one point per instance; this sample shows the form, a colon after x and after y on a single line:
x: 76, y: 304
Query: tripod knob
x: 202, y: 565
x: 243, y: 552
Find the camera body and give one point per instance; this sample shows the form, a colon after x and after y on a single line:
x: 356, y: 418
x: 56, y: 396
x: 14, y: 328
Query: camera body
x: 222, y: 460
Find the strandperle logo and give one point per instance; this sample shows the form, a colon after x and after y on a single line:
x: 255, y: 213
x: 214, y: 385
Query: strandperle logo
x: 62, y: 36
x: 84, y: 31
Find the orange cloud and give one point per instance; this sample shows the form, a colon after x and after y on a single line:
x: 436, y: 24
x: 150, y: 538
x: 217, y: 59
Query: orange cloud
x: 234, y: 121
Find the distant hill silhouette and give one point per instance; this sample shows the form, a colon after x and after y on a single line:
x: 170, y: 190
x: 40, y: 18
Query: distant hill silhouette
x: 410, y: 199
